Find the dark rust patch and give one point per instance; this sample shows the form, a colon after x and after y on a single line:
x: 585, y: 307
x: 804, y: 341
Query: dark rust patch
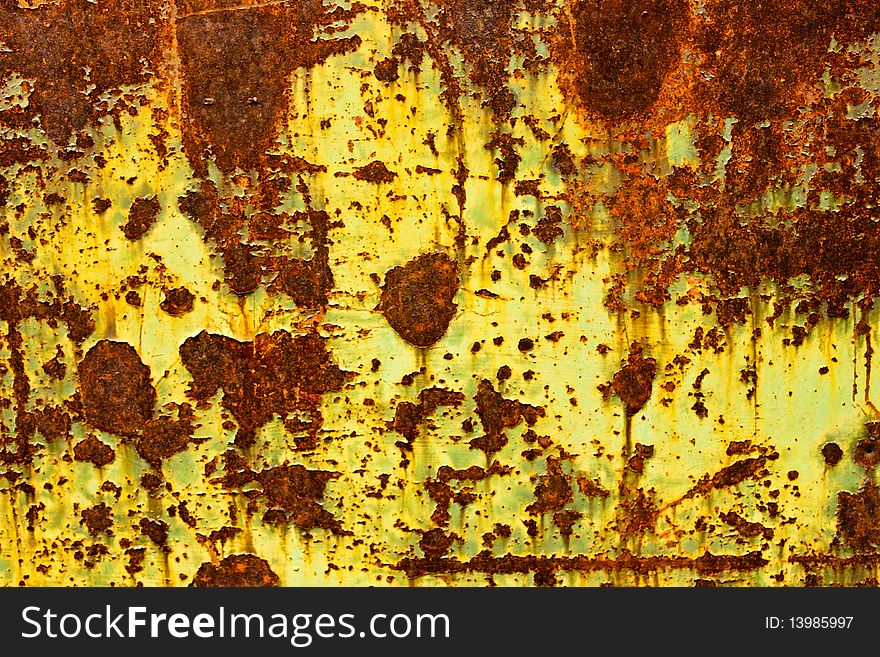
x: 374, y: 172
x: 408, y: 416
x: 498, y: 414
x: 592, y: 487
x: 76, y: 53
x: 832, y: 453
x: 435, y: 543
x: 236, y: 570
x: 247, y: 265
x: 858, y: 516
x: 779, y: 47
x: 554, y: 490
x: 94, y: 451
x: 417, y: 298
x: 293, y: 493
x: 636, y: 462
x: 97, y: 519
x: 236, y: 66
x: 163, y: 437
x: 56, y: 368
x: 616, y: 54
x: 867, y: 452
x: 115, y: 388
x: 275, y: 374
x: 484, y: 562
x: 178, y: 301
x: 141, y: 217
x: 549, y: 227
x: 728, y: 476
x: 634, y: 382
x: 155, y: 530
x: 746, y: 528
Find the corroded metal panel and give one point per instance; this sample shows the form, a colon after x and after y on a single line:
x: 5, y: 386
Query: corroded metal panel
x: 439, y: 292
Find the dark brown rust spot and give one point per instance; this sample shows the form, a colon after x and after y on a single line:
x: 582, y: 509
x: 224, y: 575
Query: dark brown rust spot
x: 236, y: 66
x: 76, y: 53
x: 497, y: 414
x: 636, y: 462
x: 236, y: 570
x: 554, y: 490
x: 633, y: 383
x: 374, y: 172
x: 417, y: 298
x: 408, y: 416
x: 619, y: 53
x: 141, y: 217
x: 293, y: 493
x: 155, y: 530
x: 94, y: 451
x: 97, y: 519
x: 163, y: 437
x: 832, y: 453
x: 858, y: 516
x: 549, y: 227
x: 178, y: 301
x: 730, y: 475
x: 115, y: 388
x: 277, y: 373
x: 435, y: 543
x: 867, y: 452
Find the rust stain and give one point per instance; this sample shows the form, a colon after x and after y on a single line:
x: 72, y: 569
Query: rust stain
x: 463, y: 292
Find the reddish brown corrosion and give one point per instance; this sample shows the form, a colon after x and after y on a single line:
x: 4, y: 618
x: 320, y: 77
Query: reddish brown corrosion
x: 374, y: 172
x: 443, y: 495
x: 554, y: 491
x: 76, y: 53
x: 97, y: 519
x: 155, y: 530
x: 483, y: 32
x: 56, y: 368
x: 94, y: 451
x: 633, y: 383
x: 178, y: 301
x: 163, y: 437
x: 417, y: 298
x: 638, y: 512
x: 832, y: 453
x: 408, y: 416
x: 307, y: 282
x: 237, y: 570
x: 435, y: 543
x: 484, y: 562
x: 497, y: 414
x: 549, y: 228
x: 858, y: 516
x: 867, y: 452
x: 620, y: 52
x: 276, y: 374
x: 746, y: 528
x: 141, y: 217
x: 236, y: 66
x: 761, y: 73
x: 749, y: 77
x: 731, y: 475
x: 591, y: 487
x: 293, y: 493
x: 116, y: 392
x: 636, y: 462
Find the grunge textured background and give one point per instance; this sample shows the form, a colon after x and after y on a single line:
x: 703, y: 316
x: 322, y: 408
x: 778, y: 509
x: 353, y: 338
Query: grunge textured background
x: 439, y: 292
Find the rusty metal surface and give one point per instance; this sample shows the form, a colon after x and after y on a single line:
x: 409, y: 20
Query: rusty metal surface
x: 439, y: 292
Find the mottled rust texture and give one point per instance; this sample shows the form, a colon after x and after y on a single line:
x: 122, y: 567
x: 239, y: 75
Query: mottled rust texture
x: 452, y: 291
